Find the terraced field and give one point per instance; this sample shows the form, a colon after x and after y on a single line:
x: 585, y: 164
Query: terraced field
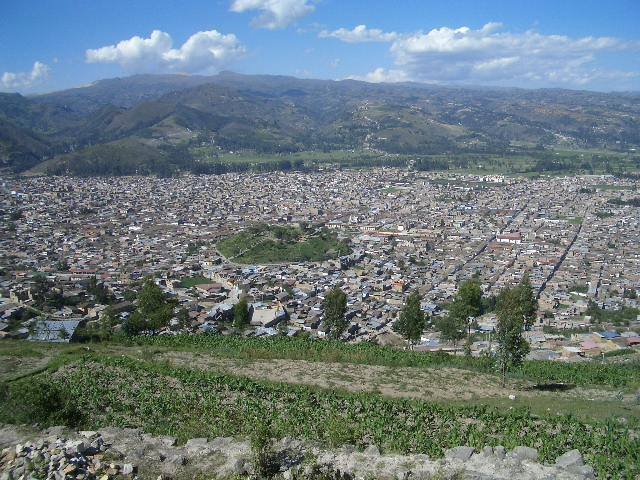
x: 402, y: 404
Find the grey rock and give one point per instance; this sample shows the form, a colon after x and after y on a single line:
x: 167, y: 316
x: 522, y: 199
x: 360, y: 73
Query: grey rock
x: 127, y: 469
x: 176, y: 459
x: 56, y: 431
x: 460, y: 453
x: 196, y: 446
x: 75, y: 446
x: 525, y: 453
x: 585, y: 471
x: 240, y: 467
x: 569, y: 459
x: 500, y: 452
x: 372, y: 450
x: 348, y: 448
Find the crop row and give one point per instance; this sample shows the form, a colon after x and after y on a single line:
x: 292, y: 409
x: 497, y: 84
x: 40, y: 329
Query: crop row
x: 119, y: 391
x: 584, y: 374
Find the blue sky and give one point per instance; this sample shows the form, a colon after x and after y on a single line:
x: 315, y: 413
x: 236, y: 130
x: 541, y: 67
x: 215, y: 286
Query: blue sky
x: 48, y: 45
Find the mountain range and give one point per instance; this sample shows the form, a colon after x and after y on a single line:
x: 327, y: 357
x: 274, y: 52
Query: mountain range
x: 138, y: 123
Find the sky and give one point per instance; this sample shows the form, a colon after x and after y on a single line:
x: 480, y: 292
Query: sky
x: 48, y: 45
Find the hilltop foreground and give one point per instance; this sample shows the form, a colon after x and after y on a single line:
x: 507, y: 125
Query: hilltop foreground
x: 188, y: 390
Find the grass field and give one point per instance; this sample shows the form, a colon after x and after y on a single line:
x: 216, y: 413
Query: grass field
x: 567, y: 161
x: 276, y: 244
x: 200, y: 394
x: 189, y: 282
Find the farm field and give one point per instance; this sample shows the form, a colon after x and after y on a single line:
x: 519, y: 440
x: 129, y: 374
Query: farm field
x: 194, y: 395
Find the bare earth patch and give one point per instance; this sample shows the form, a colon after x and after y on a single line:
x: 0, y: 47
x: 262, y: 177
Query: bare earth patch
x: 432, y: 384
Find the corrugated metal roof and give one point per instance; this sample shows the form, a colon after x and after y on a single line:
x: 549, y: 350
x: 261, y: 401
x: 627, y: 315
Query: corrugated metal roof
x: 52, y: 330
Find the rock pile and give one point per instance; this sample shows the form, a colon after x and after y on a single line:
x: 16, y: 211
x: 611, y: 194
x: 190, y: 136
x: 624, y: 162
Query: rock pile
x: 86, y: 456
x: 111, y: 453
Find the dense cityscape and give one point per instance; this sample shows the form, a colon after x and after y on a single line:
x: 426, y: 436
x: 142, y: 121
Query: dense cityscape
x: 575, y: 238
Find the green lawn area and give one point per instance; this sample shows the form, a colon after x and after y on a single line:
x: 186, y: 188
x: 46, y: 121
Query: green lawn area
x: 189, y: 282
x: 276, y: 244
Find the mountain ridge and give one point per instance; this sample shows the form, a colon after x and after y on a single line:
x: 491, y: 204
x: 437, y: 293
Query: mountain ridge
x: 278, y: 114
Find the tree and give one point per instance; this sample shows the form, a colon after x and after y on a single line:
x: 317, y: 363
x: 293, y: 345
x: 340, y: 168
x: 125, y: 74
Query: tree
x: 412, y: 319
x: 184, y: 320
x: 154, y: 310
x: 527, y: 302
x: 335, y: 307
x: 134, y: 325
x: 512, y: 346
x: 466, y: 306
x: 241, y: 317
x: 63, y: 334
x: 98, y: 290
x: 452, y: 327
x: 62, y: 265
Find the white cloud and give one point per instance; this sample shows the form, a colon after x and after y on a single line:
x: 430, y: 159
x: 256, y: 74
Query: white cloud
x: 381, y: 75
x: 360, y: 34
x: 274, y: 14
x: 25, y: 80
x: 203, y: 51
x: 488, y: 55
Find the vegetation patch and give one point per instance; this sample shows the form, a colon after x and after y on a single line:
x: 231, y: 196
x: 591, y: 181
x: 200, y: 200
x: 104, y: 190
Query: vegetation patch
x: 587, y: 374
x: 275, y: 244
x: 188, y: 403
x: 189, y: 282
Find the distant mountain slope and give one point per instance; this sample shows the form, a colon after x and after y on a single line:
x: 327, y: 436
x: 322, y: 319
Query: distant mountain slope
x: 271, y: 114
x: 122, y: 92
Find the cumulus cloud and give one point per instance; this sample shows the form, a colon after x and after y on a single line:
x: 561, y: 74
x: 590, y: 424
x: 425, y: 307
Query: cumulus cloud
x: 359, y: 34
x: 491, y: 55
x: 24, y: 80
x: 274, y: 14
x: 382, y: 75
x: 203, y: 51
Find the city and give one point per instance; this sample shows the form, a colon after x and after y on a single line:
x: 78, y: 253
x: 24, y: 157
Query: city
x: 406, y: 231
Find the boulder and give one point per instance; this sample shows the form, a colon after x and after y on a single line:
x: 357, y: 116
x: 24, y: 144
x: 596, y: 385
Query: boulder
x: 372, y: 451
x: 570, y: 459
x: 459, y: 453
x: 524, y: 453
x: 500, y: 452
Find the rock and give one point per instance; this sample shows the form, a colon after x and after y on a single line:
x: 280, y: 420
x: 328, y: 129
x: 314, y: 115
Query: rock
x: 69, y: 469
x: 512, y: 397
x: 348, y: 448
x: 500, y: 452
x: 168, y: 441
x: 487, y: 451
x: 569, y: 459
x: 127, y: 469
x: 525, y: 453
x: 372, y: 451
x: 197, y: 446
x: 585, y: 471
x: 459, y: 453
x: 56, y: 431
x: 88, y: 433
x: 240, y: 467
x: 75, y: 446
